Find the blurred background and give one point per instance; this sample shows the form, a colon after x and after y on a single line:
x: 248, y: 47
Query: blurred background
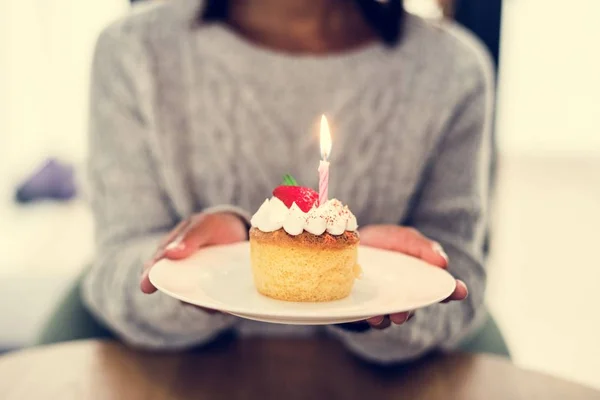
x: 547, y: 205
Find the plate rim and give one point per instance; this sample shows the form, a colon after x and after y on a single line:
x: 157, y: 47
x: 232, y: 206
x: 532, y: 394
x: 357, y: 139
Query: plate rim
x: 291, y: 321
x: 381, y: 310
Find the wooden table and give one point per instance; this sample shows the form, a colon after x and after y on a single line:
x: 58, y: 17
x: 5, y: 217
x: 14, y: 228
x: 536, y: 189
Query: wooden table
x: 264, y: 369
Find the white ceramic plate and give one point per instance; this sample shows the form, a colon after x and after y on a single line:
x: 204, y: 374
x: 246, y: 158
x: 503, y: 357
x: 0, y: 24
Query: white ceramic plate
x: 220, y: 278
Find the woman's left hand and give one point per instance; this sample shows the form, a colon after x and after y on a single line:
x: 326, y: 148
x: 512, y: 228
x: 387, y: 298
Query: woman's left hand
x: 411, y: 242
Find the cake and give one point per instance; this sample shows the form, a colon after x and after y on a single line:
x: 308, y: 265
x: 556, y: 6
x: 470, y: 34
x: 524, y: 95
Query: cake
x: 303, y: 251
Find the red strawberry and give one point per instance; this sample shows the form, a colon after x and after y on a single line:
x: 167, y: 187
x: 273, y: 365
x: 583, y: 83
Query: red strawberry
x: 304, y: 197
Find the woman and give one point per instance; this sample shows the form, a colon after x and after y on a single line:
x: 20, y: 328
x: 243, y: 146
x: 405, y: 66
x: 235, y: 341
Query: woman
x: 198, y: 109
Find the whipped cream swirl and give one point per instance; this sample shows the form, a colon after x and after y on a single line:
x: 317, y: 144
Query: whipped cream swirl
x: 333, y: 217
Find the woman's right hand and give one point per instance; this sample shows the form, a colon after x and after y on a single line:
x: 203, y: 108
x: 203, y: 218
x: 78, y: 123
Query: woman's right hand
x: 200, y: 230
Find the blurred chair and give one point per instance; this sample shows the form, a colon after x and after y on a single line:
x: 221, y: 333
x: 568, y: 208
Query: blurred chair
x: 71, y: 320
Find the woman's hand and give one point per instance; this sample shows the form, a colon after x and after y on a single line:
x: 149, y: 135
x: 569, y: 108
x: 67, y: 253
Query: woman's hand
x: 199, y: 231
x: 408, y: 241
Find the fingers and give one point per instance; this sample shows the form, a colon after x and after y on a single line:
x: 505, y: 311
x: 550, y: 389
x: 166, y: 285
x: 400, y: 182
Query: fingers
x: 183, y: 226
x: 427, y: 250
x: 405, y: 240
x: 145, y: 285
x: 434, y: 254
x: 461, y: 292
x: 191, y: 234
x: 400, y: 318
x: 182, y: 249
x: 380, y: 322
x: 384, y: 321
x: 187, y: 242
x: 179, y: 249
x: 165, y: 241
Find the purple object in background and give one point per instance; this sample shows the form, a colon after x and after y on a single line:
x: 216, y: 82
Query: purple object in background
x: 53, y: 181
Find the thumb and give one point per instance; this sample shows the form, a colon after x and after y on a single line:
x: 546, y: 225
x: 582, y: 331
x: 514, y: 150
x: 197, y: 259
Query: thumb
x: 187, y: 243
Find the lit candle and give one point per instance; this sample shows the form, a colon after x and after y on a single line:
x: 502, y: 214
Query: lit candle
x: 324, y: 164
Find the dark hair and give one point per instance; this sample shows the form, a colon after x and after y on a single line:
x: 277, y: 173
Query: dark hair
x: 385, y: 17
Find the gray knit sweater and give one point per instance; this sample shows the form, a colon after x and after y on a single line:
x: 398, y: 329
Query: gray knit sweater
x: 185, y: 119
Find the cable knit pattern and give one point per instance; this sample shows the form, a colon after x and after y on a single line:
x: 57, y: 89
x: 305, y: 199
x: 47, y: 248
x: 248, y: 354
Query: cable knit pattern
x: 186, y: 118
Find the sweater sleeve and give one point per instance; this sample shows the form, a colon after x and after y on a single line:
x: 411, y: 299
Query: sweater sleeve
x: 131, y: 210
x: 450, y: 208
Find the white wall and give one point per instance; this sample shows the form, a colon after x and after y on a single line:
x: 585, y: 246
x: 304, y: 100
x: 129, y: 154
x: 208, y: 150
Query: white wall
x: 45, y: 53
x: 549, y: 100
x: 424, y: 8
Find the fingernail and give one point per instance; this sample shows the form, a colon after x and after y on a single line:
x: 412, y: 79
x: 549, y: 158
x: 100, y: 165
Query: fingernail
x: 397, y: 321
x: 376, y: 320
x: 440, y: 250
x: 177, y: 245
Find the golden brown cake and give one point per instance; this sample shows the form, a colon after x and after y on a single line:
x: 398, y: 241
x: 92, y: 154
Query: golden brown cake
x: 305, y: 267
x: 303, y: 252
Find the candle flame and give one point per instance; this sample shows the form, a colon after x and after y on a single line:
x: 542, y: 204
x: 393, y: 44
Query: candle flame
x: 325, y: 138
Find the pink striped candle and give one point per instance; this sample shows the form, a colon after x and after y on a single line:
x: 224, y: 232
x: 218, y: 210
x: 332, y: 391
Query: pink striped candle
x: 324, y: 164
x: 323, y: 181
